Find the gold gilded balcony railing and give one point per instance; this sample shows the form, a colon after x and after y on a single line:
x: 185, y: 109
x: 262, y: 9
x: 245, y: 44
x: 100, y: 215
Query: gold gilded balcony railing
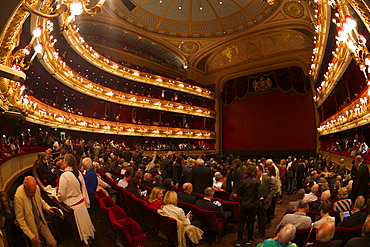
x: 354, y: 114
x: 66, y: 75
x: 92, y: 56
x: 340, y: 60
x: 41, y: 113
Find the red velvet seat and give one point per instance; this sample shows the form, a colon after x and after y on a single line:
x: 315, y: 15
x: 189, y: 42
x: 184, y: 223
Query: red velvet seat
x: 118, y: 213
x: 105, y: 203
x: 129, y: 201
x: 153, y: 218
x: 170, y: 229
x: 144, y: 187
x: 138, y: 207
x: 186, y: 206
x: 198, y: 196
x: 346, y: 234
x: 177, y: 189
x: 99, y: 194
x: 233, y: 207
x: 129, y: 232
x: 209, y: 221
x: 313, y: 215
x: 336, y: 215
x: 221, y: 194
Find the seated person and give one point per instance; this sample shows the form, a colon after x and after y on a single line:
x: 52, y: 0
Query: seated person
x: 363, y: 240
x: 299, y: 218
x: 112, y: 193
x: 124, y: 181
x: 217, y: 184
x: 322, y: 180
x: 324, y: 236
x: 168, y: 184
x: 45, y: 168
x: 283, y: 238
x: 324, y: 213
x: 133, y: 187
x: 157, y: 181
x: 310, y: 197
x: 123, y: 166
x: 147, y: 179
x: 156, y: 169
x: 185, y: 195
x: 357, y: 217
x: 343, y: 204
x: 156, y: 198
x: 325, y: 196
x: 292, y: 206
x: 170, y: 208
x: 207, y: 204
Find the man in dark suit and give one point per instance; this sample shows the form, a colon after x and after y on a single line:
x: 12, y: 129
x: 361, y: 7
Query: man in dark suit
x: 268, y: 189
x: 166, y: 166
x: 207, y: 204
x: 202, y: 177
x: 81, y: 150
x: 185, y: 195
x: 127, y: 155
x: 361, y: 180
x: 358, y: 217
x: 364, y: 240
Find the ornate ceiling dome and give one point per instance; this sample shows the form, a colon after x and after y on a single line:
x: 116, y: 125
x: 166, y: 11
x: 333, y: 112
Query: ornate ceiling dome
x: 192, y: 18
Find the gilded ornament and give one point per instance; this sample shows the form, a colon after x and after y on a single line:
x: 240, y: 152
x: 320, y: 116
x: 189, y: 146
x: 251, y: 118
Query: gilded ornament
x: 294, y: 9
x: 189, y: 47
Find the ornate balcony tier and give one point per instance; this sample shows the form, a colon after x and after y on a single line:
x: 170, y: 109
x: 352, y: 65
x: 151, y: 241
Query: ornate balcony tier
x: 41, y: 113
x: 354, y: 114
x: 92, y: 56
x: 66, y: 75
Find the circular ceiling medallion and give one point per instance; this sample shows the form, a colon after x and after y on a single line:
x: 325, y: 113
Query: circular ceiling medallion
x: 189, y: 47
x: 294, y: 9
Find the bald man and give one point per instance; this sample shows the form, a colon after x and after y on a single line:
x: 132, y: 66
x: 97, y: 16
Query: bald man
x: 324, y: 236
x: 28, y: 207
x: 185, y: 195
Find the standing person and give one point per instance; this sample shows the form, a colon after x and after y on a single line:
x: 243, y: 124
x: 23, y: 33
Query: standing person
x: 202, y: 177
x: 282, y: 171
x: 177, y: 171
x: 28, y: 208
x: 72, y: 191
x: 301, y: 170
x: 361, y: 180
x: 14, y: 233
x: 291, y: 172
x: 249, y: 190
x: 91, y: 180
x: 268, y: 188
x: 167, y: 165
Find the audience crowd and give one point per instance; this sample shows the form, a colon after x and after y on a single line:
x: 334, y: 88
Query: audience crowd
x: 326, y: 195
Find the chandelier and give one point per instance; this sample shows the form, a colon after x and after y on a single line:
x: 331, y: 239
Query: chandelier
x: 69, y: 8
x: 356, y: 43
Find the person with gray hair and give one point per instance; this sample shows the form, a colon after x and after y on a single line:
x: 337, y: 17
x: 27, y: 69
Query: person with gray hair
x: 325, y: 196
x: 358, y: 217
x: 342, y: 168
x: 90, y: 177
x: 310, y: 197
x: 363, y: 240
x: 324, y: 236
x: 207, y: 204
x: 299, y: 218
x: 283, y: 238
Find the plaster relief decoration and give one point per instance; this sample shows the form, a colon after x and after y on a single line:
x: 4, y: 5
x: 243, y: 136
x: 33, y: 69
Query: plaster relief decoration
x: 189, y: 47
x: 260, y: 47
x: 294, y: 9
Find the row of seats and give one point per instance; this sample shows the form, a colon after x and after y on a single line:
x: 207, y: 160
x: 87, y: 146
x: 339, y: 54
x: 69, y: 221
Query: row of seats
x: 308, y: 234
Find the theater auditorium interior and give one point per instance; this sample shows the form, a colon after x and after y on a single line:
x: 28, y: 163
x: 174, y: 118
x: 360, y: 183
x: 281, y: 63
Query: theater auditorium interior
x: 216, y: 80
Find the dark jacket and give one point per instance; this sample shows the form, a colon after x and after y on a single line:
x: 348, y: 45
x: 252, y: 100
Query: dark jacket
x: 355, y: 220
x: 208, y: 205
x: 177, y: 172
x: 186, y: 197
x: 202, y: 178
x: 361, y: 181
x: 166, y: 168
x: 249, y: 190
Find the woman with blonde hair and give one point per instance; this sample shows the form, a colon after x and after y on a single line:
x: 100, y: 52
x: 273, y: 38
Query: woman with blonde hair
x: 187, y: 171
x: 156, y: 198
x: 171, y: 208
x: 343, y: 204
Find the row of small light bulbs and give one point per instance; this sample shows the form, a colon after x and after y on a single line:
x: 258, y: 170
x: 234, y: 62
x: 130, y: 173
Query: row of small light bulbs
x: 330, y: 72
x: 317, y: 37
x: 93, y: 86
x: 359, y: 107
x: 133, y: 72
x: 63, y: 119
